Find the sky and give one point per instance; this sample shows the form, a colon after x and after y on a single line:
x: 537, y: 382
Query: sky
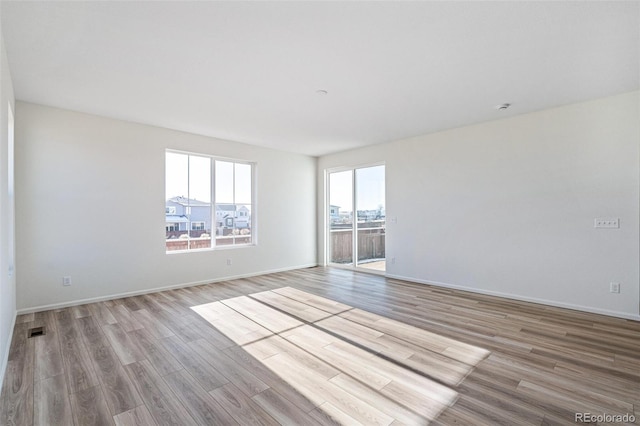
x: 370, y: 188
x: 190, y: 176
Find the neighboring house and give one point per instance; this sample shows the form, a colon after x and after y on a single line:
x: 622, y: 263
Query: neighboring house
x: 336, y: 216
x: 369, y: 215
x: 346, y: 216
x: 334, y: 213
x: 227, y: 214
x: 182, y: 211
x: 176, y: 223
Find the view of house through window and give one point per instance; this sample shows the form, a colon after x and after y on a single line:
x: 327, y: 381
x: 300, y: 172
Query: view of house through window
x: 208, y: 202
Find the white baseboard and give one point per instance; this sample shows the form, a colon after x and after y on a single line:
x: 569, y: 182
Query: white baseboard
x: 154, y: 290
x: 5, y: 358
x: 547, y: 302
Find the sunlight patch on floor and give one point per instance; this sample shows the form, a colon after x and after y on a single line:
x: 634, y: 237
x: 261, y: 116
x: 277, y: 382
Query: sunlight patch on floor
x: 354, y: 365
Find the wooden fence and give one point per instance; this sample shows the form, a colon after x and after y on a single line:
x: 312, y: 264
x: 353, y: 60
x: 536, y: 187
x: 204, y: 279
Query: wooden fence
x: 371, y: 244
x: 203, y: 243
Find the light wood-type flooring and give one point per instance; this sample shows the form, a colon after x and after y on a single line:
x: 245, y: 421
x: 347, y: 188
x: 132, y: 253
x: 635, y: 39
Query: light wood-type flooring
x: 319, y: 346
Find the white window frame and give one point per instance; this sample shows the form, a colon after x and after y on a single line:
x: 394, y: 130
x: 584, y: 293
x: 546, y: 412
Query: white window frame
x: 253, y: 217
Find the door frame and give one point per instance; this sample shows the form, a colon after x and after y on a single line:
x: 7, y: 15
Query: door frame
x: 354, y: 225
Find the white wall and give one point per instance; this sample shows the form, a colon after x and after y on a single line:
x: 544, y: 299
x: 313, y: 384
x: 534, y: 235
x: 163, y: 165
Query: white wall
x: 507, y: 207
x: 504, y: 207
x: 7, y: 281
x: 90, y: 204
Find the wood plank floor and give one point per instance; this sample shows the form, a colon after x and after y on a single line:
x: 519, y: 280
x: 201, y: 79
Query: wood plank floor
x: 319, y: 346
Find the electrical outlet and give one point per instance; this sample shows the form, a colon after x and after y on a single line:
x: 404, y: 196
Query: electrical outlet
x: 66, y: 280
x: 229, y: 262
x: 606, y: 222
x: 393, y: 260
x: 614, y: 287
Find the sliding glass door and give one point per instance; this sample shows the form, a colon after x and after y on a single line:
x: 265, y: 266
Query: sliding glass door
x: 356, y: 217
x: 370, y: 230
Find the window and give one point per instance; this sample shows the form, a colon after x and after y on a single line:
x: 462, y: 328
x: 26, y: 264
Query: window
x: 208, y: 202
x: 233, y: 199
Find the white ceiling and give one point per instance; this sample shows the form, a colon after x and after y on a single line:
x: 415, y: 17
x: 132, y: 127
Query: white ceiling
x: 249, y: 71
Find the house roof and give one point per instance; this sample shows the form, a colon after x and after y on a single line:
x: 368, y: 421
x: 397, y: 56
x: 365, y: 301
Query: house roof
x: 189, y: 202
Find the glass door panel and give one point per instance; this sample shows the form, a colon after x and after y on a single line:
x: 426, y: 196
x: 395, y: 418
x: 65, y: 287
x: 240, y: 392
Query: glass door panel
x: 341, y: 217
x: 370, y: 207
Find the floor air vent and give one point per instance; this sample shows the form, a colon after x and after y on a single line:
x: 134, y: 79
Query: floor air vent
x: 36, y: 331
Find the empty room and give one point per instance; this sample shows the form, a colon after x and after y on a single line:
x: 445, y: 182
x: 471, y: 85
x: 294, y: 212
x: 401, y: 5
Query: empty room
x: 319, y: 213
